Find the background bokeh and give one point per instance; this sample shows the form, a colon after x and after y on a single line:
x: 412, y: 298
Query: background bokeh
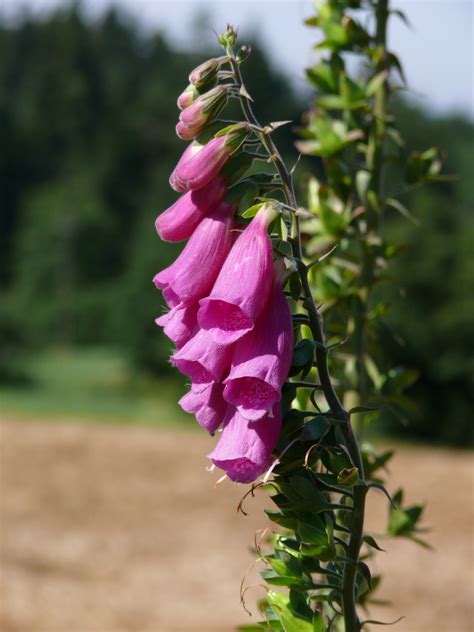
x: 87, y: 116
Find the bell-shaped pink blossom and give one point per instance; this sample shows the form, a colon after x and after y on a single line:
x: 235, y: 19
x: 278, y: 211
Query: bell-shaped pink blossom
x: 179, y: 221
x: 202, y: 359
x: 245, y: 448
x: 193, y: 273
x: 207, y: 404
x: 194, y: 118
x: 262, y: 359
x: 243, y: 285
x: 179, y: 323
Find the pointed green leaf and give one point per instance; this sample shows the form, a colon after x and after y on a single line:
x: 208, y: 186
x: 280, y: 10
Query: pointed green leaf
x: 368, y: 539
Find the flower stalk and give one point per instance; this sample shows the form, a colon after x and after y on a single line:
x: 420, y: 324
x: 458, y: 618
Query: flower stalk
x: 245, y: 313
x: 315, y: 322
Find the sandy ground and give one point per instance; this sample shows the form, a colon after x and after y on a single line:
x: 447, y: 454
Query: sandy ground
x: 116, y: 528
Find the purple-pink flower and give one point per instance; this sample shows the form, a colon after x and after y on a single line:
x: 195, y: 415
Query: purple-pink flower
x: 202, y: 359
x: 245, y: 447
x: 200, y: 165
x: 179, y: 221
x: 193, y: 273
x: 207, y: 404
x: 243, y: 285
x: 179, y: 323
x: 189, y: 153
x: 262, y: 359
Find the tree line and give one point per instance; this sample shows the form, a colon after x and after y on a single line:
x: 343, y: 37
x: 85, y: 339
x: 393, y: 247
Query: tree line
x: 87, y: 117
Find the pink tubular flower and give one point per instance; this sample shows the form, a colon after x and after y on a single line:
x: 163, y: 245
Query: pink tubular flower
x: 201, y: 163
x: 201, y: 166
x: 179, y: 221
x: 262, y: 359
x: 202, y: 360
x: 189, y: 153
x: 193, y: 119
x: 193, y: 273
x: 242, y: 287
x: 179, y: 323
x: 245, y: 447
x: 207, y: 404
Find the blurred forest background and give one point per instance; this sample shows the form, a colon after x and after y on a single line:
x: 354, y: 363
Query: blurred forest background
x: 87, y: 117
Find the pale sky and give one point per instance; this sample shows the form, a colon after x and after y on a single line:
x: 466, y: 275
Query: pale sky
x: 437, y: 52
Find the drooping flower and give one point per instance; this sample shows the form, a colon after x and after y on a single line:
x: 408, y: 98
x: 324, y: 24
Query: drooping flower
x: 243, y: 285
x: 245, y: 447
x: 179, y: 323
x: 201, y: 163
x: 202, y: 359
x: 193, y: 119
x: 193, y: 273
x: 207, y: 404
x: 262, y: 359
x: 179, y: 221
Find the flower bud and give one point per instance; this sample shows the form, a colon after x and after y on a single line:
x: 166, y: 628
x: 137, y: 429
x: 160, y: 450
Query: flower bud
x: 193, y: 119
x: 205, y: 73
x: 198, y: 167
x: 229, y: 38
x: 187, y: 97
x: 189, y: 153
x: 235, y: 135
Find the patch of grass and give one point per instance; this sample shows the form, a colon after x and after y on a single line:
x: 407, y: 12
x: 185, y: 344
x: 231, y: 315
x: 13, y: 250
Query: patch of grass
x: 93, y: 383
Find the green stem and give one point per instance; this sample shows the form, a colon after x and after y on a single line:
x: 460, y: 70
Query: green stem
x: 315, y: 323
x: 351, y: 620
x: 375, y: 164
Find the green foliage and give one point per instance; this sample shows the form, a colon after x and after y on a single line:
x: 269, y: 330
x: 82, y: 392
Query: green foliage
x: 90, y: 383
x: 322, y: 476
x: 87, y: 114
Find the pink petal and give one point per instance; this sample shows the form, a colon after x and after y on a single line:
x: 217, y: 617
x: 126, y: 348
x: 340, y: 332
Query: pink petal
x: 179, y: 323
x: 242, y: 287
x: 202, y: 360
x: 193, y: 273
x: 207, y: 404
x: 262, y: 359
x: 245, y: 447
x: 180, y: 220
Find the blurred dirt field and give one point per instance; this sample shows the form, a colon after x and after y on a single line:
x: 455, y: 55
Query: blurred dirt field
x: 117, y: 528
